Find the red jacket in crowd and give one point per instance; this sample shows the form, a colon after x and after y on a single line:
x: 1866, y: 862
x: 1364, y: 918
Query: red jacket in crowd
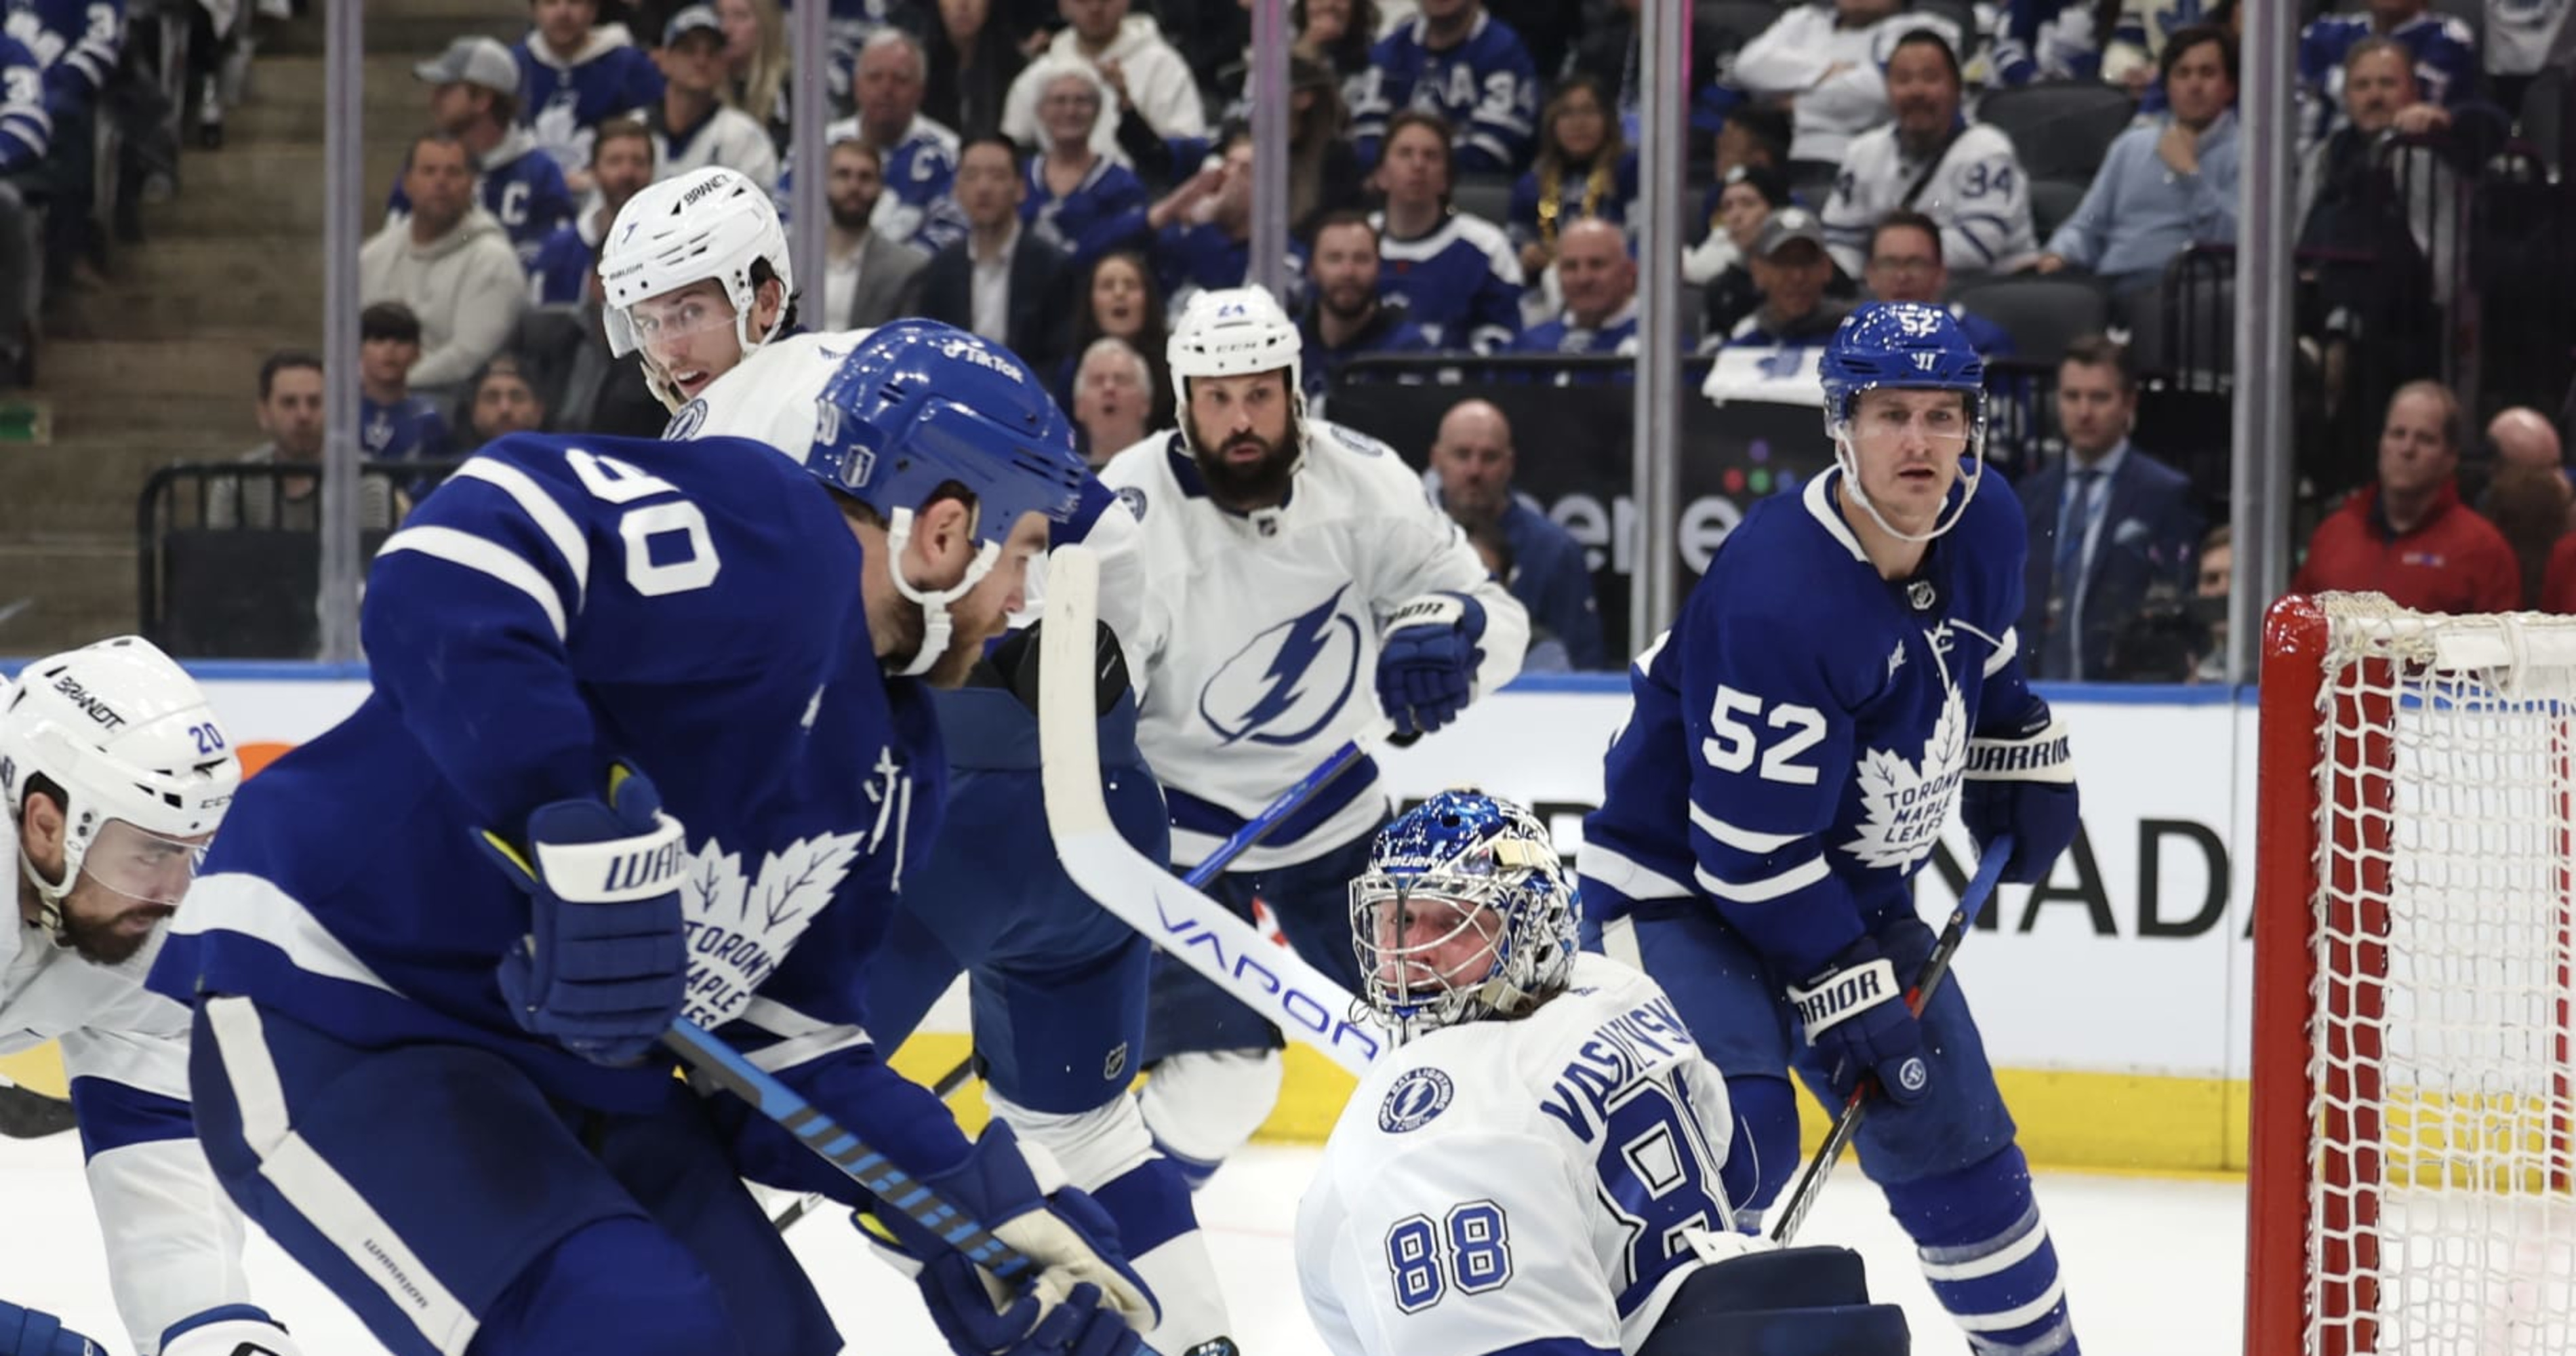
x: 2452, y: 561
x: 2558, y: 587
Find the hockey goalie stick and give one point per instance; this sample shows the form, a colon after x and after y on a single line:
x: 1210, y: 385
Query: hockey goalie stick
x: 1936, y: 968
x: 1252, y: 832
x: 1203, y: 934
x: 842, y: 1149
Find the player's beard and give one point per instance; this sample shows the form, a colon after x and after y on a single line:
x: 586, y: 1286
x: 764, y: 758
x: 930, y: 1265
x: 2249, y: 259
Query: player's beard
x: 1258, y: 485
x: 104, y: 940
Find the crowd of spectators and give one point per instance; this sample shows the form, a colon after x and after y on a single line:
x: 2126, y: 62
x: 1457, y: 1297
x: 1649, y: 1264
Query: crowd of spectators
x: 1061, y: 175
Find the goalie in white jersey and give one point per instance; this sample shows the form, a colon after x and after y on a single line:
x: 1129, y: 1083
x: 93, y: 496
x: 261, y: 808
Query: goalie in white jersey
x: 1303, y: 591
x: 1533, y: 1169
x: 115, y: 772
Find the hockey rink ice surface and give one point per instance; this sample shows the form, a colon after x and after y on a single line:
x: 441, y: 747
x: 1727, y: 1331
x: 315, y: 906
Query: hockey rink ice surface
x: 2155, y: 1266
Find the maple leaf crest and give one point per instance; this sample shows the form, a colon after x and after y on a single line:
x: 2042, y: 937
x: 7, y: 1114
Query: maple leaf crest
x: 1904, y: 802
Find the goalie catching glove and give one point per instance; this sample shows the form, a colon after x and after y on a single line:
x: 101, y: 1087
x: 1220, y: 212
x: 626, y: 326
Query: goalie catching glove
x: 1070, y: 1241
x: 2023, y: 784
x: 605, y: 965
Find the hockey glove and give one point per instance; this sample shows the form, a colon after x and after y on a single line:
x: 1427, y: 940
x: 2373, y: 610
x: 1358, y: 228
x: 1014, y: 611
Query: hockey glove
x: 33, y: 1332
x: 1070, y: 1239
x: 234, y: 1330
x: 604, y: 967
x: 2023, y: 784
x: 1426, y: 662
x: 1855, y: 1016
x: 977, y: 1322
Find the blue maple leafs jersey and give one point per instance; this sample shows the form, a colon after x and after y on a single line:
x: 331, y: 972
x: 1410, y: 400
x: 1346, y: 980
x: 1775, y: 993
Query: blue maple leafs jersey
x: 26, y: 129
x: 563, y: 102
x: 563, y: 602
x: 76, y: 42
x: 2446, y: 63
x: 1486, y: 86
x: 1798, y: 736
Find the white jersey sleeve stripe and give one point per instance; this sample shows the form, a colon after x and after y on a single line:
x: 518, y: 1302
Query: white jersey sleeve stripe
x: 2000, y: 1260
x: 541, y: 508
x: 2017, y: 1317
x: 1742, y: 840
x: 1625, y: 875
x: 2001, y: 651
x: 478, y: 554
x: 1769, y: 887
x: 235, y: 902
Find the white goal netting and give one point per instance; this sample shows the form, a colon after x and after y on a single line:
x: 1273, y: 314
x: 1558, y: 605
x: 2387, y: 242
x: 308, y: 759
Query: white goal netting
x: 2442, y: 1192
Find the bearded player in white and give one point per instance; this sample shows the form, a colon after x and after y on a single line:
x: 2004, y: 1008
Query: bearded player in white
x: 1533, y: 1168
x: 698, y: 285
x: 1304, y: 592
x: 115, y: 772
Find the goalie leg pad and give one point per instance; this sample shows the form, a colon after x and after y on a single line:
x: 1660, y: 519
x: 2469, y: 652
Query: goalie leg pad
x: 1784, y: 1302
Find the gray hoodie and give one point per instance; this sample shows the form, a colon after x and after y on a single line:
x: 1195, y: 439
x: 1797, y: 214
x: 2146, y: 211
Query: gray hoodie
x: 466, y: 286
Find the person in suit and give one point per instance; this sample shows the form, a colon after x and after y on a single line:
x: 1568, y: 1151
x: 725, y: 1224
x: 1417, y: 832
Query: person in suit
x: 1001, y: 282
x: 2107, y: 522
x: 869, y: 277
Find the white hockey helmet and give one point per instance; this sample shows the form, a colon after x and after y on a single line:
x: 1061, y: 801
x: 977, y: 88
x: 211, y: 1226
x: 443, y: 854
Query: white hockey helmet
x: 1236, y: 332
x: 707, y: 223
x: 124, y: 736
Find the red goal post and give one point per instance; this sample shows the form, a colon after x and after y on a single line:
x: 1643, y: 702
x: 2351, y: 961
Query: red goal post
x: 2410, y: 1154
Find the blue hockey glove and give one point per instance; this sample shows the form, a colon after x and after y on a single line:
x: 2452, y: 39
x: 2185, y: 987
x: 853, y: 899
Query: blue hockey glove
x: 233, y: 1330
x: 33, y: 1332
x: 2023, y: 784
x: 1066, y: 1234
x: 604, y: 966
x: 1855, y: 1016
x: 963, y: 1305
x: 1426, y: 663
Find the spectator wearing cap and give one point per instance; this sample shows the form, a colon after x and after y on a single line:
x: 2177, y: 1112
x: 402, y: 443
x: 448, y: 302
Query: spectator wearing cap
x: 1456, y: 271
x: 2167, y: 183
x: 1079, y: 200
x: 691, y: 124
x: 1933, y: 160
x: 474, y: 97
x: 450, y: 261
x: 1147, y: 75
x: 1463, y: 64
x: 1599, y: 280
x: 621, y: 164
x: 1825, y: 63
x: 392, y: 422
x: 1747, y: 198
x: 574, y: 74
x: 1905, y: 264
x: 919, y: 204
x: 869, y: 277
x: 1349, y: 318
x: 2443, y: 53
x: 2408, y: 535
x: 1793, y: 272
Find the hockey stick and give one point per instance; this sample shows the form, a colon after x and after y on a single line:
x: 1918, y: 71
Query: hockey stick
x: 1273, y: 981
x: 1252, y: 832
x: 1972, y: 901
x: 891, y: 1185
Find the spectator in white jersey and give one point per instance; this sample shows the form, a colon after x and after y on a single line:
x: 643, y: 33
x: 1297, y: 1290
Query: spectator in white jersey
x: 2167, y: 183
x: 1148, y: 76
x: 1826, y: 64
x: 1932, y: 159
x: 692, y: 125
x: 1456, y: 271
x: 451, y: 261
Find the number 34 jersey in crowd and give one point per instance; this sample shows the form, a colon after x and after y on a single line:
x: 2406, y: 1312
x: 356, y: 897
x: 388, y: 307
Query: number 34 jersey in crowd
x: 1498, y: 1183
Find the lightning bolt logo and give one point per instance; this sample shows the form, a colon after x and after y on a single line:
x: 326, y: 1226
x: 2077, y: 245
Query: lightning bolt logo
x: 1288, y: 654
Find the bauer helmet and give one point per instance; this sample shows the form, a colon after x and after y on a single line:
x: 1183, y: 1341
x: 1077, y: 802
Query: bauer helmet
x: 919, y: 404
x: 1907, y: 346
x: 1464, y: 913
x: 128, y: 742
x: 710, y: 223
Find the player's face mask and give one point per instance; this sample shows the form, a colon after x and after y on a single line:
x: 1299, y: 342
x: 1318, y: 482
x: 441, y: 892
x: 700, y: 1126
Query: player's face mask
x: 129, y: 880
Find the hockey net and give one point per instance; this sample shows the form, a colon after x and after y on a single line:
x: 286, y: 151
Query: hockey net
x: 2410, y: 1187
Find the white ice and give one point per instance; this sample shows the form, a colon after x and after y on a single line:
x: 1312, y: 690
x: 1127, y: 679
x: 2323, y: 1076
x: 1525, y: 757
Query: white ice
x: 2153, y: 1266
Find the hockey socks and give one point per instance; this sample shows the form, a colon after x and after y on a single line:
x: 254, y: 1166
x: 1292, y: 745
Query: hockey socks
x: 1987, y: 1254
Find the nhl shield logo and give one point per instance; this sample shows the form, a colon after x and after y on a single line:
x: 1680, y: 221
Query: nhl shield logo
x: 1418, y: 1097
x: 1116, y: 1064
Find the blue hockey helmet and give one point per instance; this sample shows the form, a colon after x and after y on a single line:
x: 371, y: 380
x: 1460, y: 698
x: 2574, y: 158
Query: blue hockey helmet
x: 1907, y: 346
x: 1464, y: 912
x: 919, y: 404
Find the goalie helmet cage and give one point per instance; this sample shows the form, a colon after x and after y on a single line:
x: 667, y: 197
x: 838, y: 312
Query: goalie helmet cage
x: 2409, y: 1161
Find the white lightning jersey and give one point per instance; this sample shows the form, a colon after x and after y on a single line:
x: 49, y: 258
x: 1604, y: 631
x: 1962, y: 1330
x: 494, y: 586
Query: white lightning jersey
x: 1258, y: 633
x: 1546, y: 1181
x: 771, y: 397
x: 174, y: 1242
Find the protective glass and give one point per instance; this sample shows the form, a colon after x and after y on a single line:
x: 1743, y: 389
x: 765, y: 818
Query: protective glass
x: 140, y: 865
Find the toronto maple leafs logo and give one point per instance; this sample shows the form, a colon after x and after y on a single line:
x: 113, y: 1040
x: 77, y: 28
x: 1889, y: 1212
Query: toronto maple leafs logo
x: 740, y: 929
x: 1903, y: 803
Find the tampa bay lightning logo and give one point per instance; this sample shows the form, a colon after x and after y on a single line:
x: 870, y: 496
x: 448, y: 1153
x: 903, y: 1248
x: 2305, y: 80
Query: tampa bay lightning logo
x: 1289, y: 682
x: 1419, y: 1095
x: 687, y: 422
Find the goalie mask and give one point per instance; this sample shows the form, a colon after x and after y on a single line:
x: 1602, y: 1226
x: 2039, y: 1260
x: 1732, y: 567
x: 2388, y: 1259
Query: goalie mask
x: 1904, y: 346
x: 144, y: 771
x: 1464, y: 913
